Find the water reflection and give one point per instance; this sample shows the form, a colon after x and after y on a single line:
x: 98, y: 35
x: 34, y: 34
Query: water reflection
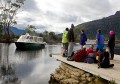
x: 27, y: 55
x: 7, y: 69
x: 30, y: 67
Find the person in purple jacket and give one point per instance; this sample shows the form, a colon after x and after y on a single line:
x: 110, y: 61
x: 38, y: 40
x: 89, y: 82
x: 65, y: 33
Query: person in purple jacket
x: 83, y: 38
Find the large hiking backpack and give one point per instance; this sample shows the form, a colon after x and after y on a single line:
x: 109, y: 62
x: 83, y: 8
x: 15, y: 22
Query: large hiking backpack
x: 91, y: 58
x: 104, y: 61
x: 80, y: 55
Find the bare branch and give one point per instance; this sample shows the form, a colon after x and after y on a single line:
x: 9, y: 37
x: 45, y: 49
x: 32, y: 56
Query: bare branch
x: 8, y: 11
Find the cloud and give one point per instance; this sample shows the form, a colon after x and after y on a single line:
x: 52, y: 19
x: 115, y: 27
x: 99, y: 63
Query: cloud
x: 92, y: 9
x: 30, y: 6
x: 115, y: 4
x: 56, y: 15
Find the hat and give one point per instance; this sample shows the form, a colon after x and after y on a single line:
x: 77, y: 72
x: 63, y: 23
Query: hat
x: 91, y: 46
x: 111, y: 32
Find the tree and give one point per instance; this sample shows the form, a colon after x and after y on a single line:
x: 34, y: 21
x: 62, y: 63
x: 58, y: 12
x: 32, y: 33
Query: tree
x: 45, y: 36
x: 30, y: 29
x: 0, y: 29
x: 52, y: 35
x: 8, y: 11
x: 46, y: 33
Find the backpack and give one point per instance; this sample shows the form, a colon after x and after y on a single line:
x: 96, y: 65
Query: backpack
x: 80, y: 55
x: 104, y: 61
x: 89, y: 60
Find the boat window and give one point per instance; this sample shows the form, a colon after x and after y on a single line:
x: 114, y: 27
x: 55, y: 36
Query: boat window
x: 35, y: 39
x: 27, y: 37
x: 31, y: 37
x: 40, y: 39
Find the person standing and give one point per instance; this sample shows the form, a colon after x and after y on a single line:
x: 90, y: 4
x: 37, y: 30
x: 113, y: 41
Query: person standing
x: 99, y: 41
x: 111, y: 43
x: 65, y: 40
x: 71, y: 40
x: 83, y: 38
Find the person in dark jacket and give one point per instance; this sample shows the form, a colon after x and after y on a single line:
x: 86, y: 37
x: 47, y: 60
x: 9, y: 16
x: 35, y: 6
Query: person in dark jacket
x: 83, y: 38
x: 111, y: 43
x: 71, y: 40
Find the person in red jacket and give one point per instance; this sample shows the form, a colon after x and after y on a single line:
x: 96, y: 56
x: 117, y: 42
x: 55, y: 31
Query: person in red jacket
x: 90, y: 50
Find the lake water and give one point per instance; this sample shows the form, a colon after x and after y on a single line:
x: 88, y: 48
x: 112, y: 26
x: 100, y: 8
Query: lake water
x: 30, y: 67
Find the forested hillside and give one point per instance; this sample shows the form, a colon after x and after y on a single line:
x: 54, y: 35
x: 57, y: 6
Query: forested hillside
x: 105, y: 24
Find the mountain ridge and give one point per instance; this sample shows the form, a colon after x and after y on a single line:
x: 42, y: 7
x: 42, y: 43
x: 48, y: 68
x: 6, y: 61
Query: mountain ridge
x: 105, y: 24
x: 17, y: 31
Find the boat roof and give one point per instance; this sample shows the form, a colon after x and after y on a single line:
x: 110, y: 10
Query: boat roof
x: 27, y: 34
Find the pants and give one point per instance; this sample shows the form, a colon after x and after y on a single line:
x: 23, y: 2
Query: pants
x: 111, y: 48
x: 70, y: 48
x: 65, y: 46
x: 99, y: 47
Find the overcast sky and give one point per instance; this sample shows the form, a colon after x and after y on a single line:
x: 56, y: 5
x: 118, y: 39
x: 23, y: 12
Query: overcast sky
x: 56, y: 15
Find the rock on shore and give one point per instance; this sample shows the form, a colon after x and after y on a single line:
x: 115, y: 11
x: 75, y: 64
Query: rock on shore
x: 67, y: 74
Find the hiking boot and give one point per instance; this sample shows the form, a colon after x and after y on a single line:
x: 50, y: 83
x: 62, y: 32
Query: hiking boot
x: 70, y: 59
x: 111, y: 65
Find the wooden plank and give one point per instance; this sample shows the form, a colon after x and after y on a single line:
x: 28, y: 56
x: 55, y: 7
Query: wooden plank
x: 106, y: 73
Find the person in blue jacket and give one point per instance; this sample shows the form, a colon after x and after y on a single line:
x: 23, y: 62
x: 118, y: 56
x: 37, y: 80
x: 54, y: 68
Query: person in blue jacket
x: 83, y: 38
x: 99, y: 40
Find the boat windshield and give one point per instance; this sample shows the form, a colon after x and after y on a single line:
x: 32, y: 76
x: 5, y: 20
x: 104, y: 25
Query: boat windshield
x: 29, y: 37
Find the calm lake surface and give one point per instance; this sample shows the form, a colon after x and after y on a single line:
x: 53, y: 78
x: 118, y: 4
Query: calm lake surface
x: 32, y: 67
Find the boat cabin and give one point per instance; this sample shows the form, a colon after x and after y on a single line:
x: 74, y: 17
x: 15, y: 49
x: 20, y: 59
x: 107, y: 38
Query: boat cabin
x: 30, y: 39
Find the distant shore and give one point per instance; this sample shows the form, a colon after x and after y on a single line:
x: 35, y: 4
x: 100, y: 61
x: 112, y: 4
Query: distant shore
x: 49, y: 42
x: 118, y: 41
x: 8, y: 41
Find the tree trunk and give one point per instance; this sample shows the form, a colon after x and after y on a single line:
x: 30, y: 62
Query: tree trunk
x: 8, y: 33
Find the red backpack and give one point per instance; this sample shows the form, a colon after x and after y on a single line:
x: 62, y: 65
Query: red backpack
x: 80, y: 55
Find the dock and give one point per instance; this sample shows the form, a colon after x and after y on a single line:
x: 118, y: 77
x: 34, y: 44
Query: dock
x: 105, y: 73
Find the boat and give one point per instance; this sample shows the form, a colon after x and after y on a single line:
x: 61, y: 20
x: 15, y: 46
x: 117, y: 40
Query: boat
x: 28, y: 42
